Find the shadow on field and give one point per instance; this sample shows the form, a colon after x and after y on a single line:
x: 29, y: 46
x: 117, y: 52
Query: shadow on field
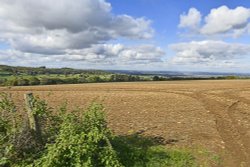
x: 141, y: 151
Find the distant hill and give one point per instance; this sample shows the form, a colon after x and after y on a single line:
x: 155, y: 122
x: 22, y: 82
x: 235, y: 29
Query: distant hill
x: 17, y: 70
x: 180, y: 74
x: 24, y: 76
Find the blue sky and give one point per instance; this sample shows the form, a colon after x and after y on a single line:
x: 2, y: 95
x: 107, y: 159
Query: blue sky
x: 165, y: 14
x: 176, y: 35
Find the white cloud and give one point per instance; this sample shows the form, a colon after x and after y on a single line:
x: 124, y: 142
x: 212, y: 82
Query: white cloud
x: 223, y: 19
x: 60, y: 32
x: 99, y: 54
x: 209, y: 52
x: 190, y: 20
x: 142, y: 54
x: 220, y: 21
x: 15, y: 57
x: 248, y: 28
x: 51, y: 27
x: 116, y: 54
x: 59, y: 14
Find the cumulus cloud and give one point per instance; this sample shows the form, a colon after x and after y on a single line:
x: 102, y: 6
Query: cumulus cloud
x: 34, y: 26
x: 142, y: 54
x: 115, y: 54
x: 15, y: 57
x: 190, y: 20
x: 103, y: 54
x: 221, y: 20
x: 208, y: 52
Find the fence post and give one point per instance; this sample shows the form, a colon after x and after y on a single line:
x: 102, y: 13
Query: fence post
x: 33, y: 118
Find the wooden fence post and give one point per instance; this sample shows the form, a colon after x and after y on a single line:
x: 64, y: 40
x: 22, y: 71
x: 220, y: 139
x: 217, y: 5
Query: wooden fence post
x: 33, y: 118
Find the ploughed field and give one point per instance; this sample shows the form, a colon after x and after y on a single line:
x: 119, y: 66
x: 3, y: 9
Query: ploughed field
x: 209, y: 115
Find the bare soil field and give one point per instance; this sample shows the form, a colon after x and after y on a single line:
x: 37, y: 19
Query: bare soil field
x: 214, y: 115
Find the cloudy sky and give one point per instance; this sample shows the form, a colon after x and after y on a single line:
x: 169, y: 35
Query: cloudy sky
x: 176, y: 35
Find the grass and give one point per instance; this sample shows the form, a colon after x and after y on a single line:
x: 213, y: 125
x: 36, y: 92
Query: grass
x: 206, y: 158
x: 140, y: 151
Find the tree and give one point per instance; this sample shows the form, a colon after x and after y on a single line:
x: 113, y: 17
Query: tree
x: 42, y: 67
x: 156, y: 78
x: 34, y: 81
x: 119, y: 78
x: 2, y: 81
x: 94, y: 79
x: 11, y: 82
x: 70, y: 80
x: 47, y: 81
x: 82, y: 79
x: 22, y: 82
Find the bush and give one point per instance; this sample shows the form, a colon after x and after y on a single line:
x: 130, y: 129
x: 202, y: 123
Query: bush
x: 7, y: 109
x: 18, y: 143
x: 83, y: 142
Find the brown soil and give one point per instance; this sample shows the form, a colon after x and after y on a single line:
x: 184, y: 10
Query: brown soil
x: 214, y: 115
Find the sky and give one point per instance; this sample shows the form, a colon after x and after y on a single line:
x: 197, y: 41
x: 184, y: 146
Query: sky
x: 165, y: 35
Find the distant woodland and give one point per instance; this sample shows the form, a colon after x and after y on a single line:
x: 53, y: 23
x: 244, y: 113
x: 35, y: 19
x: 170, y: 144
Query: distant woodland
x: 25, y: 76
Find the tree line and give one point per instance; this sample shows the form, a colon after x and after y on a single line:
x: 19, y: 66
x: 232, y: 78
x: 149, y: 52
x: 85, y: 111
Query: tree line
x: 43, y: 70
x: 33, y: 80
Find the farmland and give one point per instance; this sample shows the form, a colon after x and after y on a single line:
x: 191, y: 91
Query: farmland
x: 199, y: 115
x: 24, y: 76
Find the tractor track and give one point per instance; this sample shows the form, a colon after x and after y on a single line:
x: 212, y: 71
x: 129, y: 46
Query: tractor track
x: 236, y: 146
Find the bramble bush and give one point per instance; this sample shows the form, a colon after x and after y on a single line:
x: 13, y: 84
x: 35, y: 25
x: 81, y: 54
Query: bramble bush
x: 82, y: 142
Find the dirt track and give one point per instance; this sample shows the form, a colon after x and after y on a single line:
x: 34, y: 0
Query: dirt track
x: 214, y: 115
